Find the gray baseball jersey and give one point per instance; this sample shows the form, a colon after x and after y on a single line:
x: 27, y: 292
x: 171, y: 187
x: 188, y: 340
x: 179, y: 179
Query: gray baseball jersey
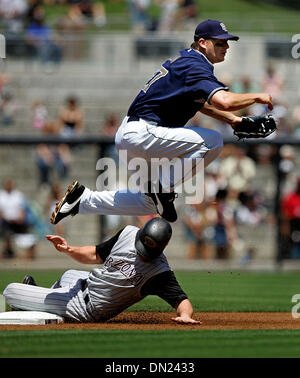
x: 117, y: 284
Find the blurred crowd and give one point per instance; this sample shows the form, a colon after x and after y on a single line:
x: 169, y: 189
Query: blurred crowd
x: 33, y: 31
x: 240, y: 188
x: 25, y: 221
x: 19, y: 16
x: 239, y: 207
x: 231, y: 200
x: 30, y: 33
x: 172, y: 15
x: 239, y: 196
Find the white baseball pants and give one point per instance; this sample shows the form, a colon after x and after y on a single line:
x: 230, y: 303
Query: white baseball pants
x: 65, y: 298
x: 121, y: 202
x: 142, y: 139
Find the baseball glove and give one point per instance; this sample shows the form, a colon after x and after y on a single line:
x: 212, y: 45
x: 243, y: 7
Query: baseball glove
x: 255, y: 127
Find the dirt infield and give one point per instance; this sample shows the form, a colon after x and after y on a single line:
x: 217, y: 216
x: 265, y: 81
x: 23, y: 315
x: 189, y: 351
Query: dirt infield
x: 162, y: 321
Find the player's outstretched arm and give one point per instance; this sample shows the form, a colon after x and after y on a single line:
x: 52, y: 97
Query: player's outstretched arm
x: 185, y: 313
x: 230, y: 101
x: 220, y: 115
x: 84, y: 255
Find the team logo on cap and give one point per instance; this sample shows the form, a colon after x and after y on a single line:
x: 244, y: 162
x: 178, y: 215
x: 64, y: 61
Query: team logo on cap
x: 223, y: 26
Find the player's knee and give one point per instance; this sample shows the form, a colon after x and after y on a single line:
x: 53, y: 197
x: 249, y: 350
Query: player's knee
x: 215, y: 148
x: 212, y: 140
x: 67, y: 274
x: 7, y: 291
x: 10, y: 293
x: 217, y: 140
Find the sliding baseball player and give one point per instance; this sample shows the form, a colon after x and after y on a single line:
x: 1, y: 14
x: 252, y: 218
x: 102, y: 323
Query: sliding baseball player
x: 134, y: 266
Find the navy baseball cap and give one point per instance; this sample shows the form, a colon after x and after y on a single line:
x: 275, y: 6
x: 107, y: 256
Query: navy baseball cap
x: 213, y: 29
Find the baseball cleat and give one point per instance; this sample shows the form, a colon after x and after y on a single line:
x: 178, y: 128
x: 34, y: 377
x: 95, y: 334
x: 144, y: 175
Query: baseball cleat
x: 28, y: 280
x: 69, y: 204
x: 165, y: 206
x: 164, y: 203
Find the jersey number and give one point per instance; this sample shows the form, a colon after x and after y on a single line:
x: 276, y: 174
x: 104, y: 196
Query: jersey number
x: 161, y: 73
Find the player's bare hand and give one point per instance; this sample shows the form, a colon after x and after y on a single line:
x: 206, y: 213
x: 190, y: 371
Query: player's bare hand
x: 265, y: 98
x: 185, y: 320
x: 59, y: 243
x: 235, y: 121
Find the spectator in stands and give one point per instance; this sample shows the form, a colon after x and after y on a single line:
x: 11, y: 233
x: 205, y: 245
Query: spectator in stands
x: 250, y: 215
x: 109, y: 129
x: 39, y: 116
x: 296, y: 122
x: 273, y: 83
x: 287, y: 162
x: 88, y: 10
x: 4, y: 79
x: 244, y: 84
x: 40, y: 39
x: 284, y: 122
x: 111, y: 124
x: 54, y: 196
x: 251, y: 211
x: 49, y: 158
x: 196, y: 220
x: 168, y: 12
x: 214, y: 180
x: 225, y: 233
x: 8, y: 108
x: 262, y: 154
x: 72, y: 21
x: 31, y: 14
x: 12, y: 216
x: 71, y: 118
x: 238, y: 169
x: 41, y: 120
x: 139, y: 17
x: 12, y: 15
x: 290, y: 226
x: 186, y: 15
x: 70, y: 26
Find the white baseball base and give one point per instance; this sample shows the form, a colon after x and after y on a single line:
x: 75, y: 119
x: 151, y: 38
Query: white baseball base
x: 29, y: 317
x: 2, y: 304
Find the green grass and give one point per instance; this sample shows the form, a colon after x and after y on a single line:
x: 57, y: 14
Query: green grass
x: 238, y: 15
x: 236, y: 291
x: 150, y: 344
x: 242, y: 6
x: 251, y: 16
x: 215, y: 291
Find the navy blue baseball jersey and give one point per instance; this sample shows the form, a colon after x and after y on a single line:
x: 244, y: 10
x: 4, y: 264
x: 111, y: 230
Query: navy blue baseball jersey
x: 177, y: 91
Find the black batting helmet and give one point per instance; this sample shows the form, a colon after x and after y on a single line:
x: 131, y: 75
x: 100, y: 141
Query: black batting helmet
x: 153, y: 237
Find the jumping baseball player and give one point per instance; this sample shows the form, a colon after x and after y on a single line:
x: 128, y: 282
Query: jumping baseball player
x: 154, y: 126
x: 134, y: 266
